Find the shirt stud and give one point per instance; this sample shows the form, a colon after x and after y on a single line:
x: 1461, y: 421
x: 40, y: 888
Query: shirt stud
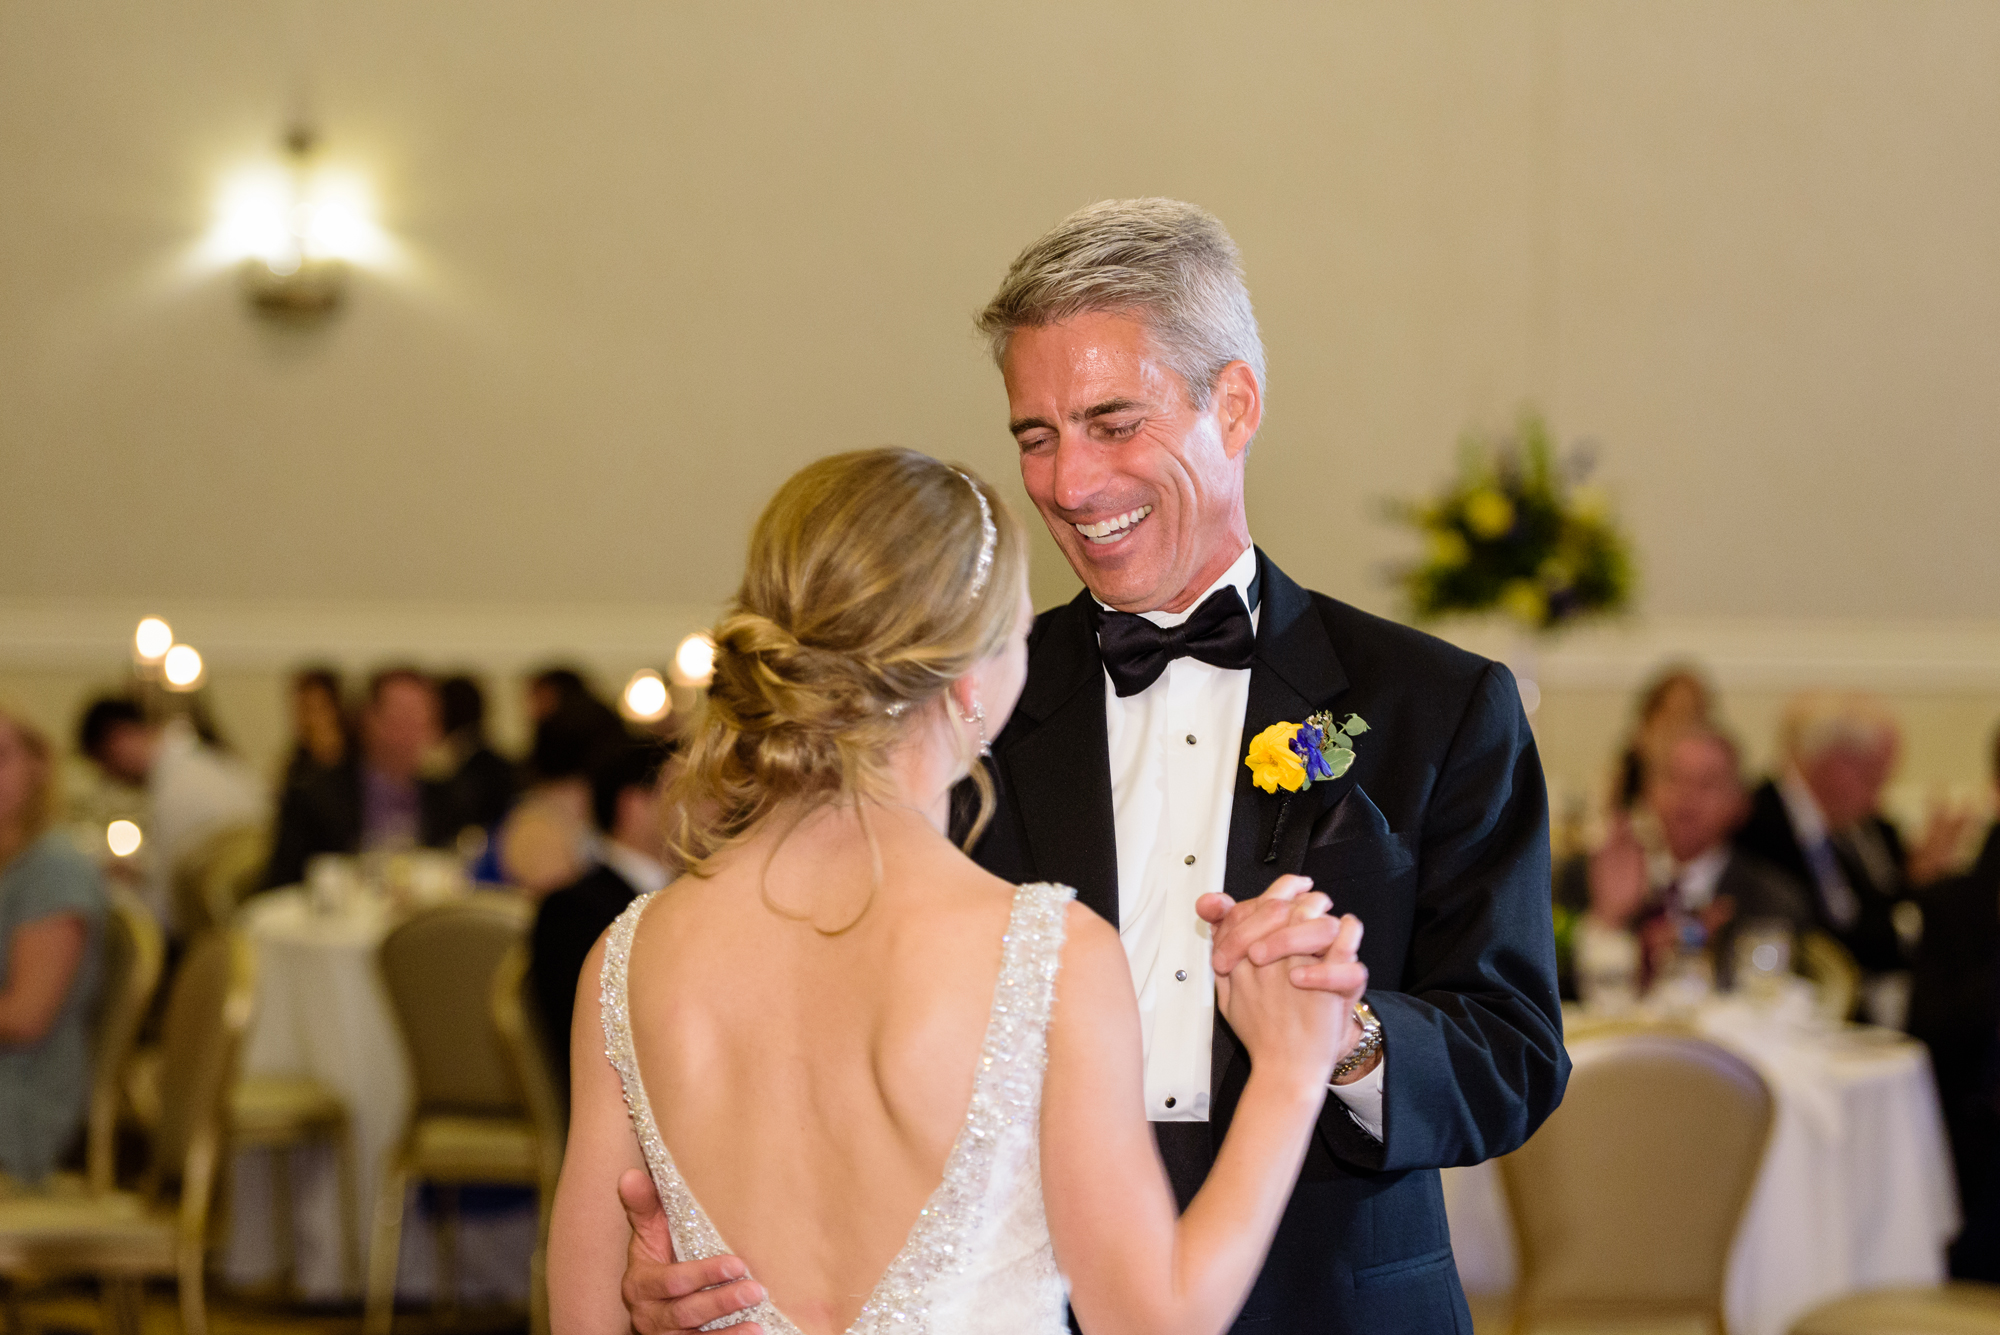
x: 1189, y: 859
x: 1190, y: 739
x: 1180, y: 975
x: 1170, y: 1100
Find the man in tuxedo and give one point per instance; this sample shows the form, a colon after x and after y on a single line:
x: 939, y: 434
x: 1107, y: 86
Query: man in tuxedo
x: 380, y: 799
x: 1818, y: 821
x: 631, y: 861
x: 1134, y: 378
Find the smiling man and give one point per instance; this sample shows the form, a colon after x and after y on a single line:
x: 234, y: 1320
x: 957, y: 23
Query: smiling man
x: 1135, y: 383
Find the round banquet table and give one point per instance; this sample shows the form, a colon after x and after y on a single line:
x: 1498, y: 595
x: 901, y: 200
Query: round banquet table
x: 322, y: 1011
x: 1855, y: 1191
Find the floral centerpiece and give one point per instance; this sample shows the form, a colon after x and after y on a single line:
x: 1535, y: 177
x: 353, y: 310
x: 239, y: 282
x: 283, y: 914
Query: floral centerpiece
x: 1521, y: 531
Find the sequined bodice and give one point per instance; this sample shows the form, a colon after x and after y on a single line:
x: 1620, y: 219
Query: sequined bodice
x: 978, y: 1259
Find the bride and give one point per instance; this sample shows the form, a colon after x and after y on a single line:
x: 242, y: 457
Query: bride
x: 925, y: 1112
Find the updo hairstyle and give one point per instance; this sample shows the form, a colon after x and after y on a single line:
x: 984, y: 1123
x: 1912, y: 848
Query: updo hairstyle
x: 857, y: 610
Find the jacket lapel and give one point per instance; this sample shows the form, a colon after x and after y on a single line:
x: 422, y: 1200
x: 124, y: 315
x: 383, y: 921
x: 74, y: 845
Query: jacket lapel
x: 1055, y: 759
x: 1295, y: 674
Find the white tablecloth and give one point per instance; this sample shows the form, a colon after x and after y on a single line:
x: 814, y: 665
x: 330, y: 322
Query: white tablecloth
x: 1855, y: 1192
x: 322, y: 1011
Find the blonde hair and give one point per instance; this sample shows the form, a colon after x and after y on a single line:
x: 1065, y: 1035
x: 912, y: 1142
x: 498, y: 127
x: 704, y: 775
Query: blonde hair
x: 39, y: 809
x: 1171, y: 264
x: 860, y: 604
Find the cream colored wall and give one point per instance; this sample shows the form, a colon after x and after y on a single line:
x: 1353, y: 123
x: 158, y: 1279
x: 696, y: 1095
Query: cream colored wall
x: 656, y: 255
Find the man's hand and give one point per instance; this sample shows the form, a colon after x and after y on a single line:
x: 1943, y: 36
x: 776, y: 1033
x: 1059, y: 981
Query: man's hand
x: 666, y: 1297
x: 1290, y: 920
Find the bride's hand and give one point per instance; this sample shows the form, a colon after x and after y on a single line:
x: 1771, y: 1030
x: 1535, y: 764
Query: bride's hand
x: 1289, y: 1030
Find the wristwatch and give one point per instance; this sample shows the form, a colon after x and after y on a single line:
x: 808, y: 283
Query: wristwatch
x: 1370, y: 1044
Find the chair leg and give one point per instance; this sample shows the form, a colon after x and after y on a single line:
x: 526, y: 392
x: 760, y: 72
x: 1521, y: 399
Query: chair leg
x: 194, y: 1292
x: 379, y: 1304
x: 123, y: 1300
x: 284, y: 1221
x: 350, y: 1224
x: 446, y: 1226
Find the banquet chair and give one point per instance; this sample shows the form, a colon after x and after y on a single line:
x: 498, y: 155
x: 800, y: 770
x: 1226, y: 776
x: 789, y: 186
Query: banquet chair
x: 133, y: 953
x: 1625, y: 1203
x: 124, y: 1237
x: 470, y: 1121
x: 280, y: 1113
x: 1835, y: 977
x: 218, y: 874
x: 1949, y: 1309
x: 519, y: 1024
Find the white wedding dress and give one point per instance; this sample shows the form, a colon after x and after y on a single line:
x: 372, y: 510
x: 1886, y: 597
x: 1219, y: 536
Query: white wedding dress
x: 978, y: 1259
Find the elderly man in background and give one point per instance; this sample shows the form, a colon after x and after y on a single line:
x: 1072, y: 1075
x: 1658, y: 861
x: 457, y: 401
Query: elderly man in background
x: 1820, y: 820
x: 192, y: 789
x: 1706, y: 888
x: 381, y: 799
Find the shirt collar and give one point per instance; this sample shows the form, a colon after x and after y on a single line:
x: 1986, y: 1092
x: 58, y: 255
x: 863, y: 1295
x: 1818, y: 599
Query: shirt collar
x: 1241, y: 574
x: 1808, y: 821
x: 643, y: 873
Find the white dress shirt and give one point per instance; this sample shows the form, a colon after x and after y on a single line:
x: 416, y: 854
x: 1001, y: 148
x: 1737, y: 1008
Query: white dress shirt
x: 643, y: 873
x: 1174, y: 750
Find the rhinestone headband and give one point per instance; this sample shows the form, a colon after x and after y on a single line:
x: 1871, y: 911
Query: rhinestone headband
x: 989, y: 537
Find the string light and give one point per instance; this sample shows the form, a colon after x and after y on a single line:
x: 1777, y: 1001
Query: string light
x: 694, y: 661
x: 123, y: 838
x: 152, y: 640
x: 182, y: 668
x: 646, y: 699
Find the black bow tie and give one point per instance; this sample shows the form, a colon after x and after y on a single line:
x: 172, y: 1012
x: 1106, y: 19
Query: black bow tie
x: 1136, y: 651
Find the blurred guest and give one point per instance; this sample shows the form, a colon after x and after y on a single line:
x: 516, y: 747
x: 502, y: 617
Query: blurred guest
x: 52, y: 906
x: 625, y: 807
x: 1678, y: 698
x: 380, y: 799
x: 483, y: 782
x: 1818, y: 821
x: 321, y: 738
x: 193, y: 788
x: 1704, y: 889
x: 554, y: 687
x: 545, y: 841
x: 1955, y: 1010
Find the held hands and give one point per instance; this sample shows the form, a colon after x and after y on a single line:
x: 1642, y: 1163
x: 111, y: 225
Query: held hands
x: 1288, y: 975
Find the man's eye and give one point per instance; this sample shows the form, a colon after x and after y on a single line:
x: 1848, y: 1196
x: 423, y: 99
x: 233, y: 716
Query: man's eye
x: 1036, y: 441
x: 1118, y: 430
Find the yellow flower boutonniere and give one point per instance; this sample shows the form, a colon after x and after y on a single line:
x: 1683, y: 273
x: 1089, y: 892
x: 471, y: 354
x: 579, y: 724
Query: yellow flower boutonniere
x: 1292, y: 755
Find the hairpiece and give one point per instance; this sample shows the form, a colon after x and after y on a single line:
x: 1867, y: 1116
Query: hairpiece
x: 989, y: 536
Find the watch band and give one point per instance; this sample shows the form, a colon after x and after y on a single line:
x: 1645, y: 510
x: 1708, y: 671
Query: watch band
x: 1370, y: 1042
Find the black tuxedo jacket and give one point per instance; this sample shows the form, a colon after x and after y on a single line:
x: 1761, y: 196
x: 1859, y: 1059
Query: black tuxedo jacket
x: 567, y: 925
x: 1871, y: 938
x: 1437, y: 838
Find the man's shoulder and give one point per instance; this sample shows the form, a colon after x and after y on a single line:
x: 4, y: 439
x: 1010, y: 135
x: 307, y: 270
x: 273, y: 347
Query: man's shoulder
x: 1369, y: 645
x: 598, y: 896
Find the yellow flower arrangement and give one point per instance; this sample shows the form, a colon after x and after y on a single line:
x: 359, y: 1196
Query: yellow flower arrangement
x: 1273, y: 764
x: 1292, y: 755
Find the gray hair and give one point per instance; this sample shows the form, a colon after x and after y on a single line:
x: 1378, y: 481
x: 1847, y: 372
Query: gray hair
x: 1171, y: 263
x: 1822, y: 721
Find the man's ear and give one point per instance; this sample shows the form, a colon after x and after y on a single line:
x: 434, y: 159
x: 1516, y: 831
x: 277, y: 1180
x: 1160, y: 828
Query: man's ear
x: 1238, y: 405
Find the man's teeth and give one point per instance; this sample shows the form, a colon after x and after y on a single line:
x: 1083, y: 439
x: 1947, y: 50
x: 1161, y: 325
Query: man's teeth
x: 1109, y: 530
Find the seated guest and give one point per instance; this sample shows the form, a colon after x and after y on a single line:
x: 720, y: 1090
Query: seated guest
x: 193, y: 788
x: 625, y: 796
x: 1678, y: 698
x: 1818, y: 821
x: 1955, y: 1010
x: 553, y: 688
x: 1704, y: 888
x: 320, y: 739
x: 52, y: 907
x: 546, y: 839
x: 483, y: 781
x: 378, y: 800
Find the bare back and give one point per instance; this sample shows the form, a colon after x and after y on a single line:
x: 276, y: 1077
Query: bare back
x: 811, y: 1086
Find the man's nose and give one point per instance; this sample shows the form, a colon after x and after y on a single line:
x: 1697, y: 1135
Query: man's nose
x: 1079, y: 471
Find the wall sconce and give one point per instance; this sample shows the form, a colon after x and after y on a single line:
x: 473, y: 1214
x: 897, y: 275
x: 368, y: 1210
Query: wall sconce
x: 293, y: 228
x: 645, y: 698
x: 694, y: 661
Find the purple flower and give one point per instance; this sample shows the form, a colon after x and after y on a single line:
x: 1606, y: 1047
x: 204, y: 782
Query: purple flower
x: 1306, y: 745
